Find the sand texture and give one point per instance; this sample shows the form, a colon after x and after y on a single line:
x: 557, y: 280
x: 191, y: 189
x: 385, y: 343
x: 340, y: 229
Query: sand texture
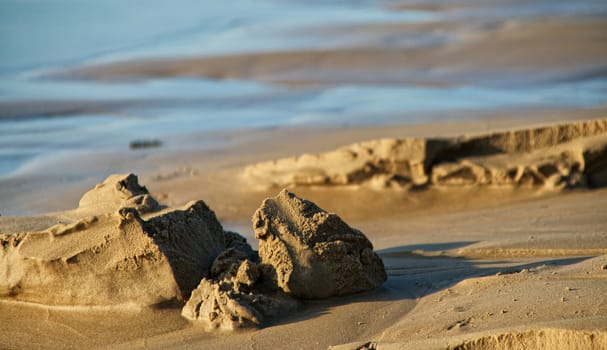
x: 558, y: 156
x: 134, y: 252
x: 468, y: 309
x: 107, y: 252
x: 314, y: 254
x: 229, y: 304
x: 304, y: 252
x: 238, y: 293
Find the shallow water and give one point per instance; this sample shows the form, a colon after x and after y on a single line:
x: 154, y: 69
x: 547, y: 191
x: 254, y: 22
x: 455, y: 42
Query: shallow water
x: 42, y: 36
x: 39, y: 33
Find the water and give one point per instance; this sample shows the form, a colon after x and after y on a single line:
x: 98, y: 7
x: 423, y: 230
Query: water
x: 39, y: 36
x: 36, y: 33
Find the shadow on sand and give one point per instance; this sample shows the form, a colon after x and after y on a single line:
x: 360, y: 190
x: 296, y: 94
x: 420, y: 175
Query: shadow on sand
x: 413, y: 272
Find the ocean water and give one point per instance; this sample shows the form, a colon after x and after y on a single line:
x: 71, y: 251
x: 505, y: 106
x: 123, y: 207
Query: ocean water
x: 41, y: 36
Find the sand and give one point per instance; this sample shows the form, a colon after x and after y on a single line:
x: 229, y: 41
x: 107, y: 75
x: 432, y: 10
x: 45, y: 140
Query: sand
x: 118, y: 248
x: 469, y: 266
x: 549, y: 157
x: 491, y: 226
x: 121, y: 249
x: 314, y: 254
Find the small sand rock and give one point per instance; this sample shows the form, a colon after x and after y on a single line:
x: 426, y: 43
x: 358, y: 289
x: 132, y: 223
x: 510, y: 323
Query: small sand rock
x: 235, y: 296
x: 248, y: 273
x: 216, y: 306
x: 314, y: 254
x: 223, y: 305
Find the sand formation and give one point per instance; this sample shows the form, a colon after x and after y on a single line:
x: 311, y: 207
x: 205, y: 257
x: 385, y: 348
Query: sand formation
x: 237, y: 298
x: 235, y: 294
x: 304, y: 252
x: 532, y: 339
x: 118, y: 247
x: 537, y: 339
x: 573, y: 154
x: 121, y: 247
x: 304, y: 245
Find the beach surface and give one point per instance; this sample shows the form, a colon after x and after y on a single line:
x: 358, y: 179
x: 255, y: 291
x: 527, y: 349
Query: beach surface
x: 464, y: 143
x: 471, y: 265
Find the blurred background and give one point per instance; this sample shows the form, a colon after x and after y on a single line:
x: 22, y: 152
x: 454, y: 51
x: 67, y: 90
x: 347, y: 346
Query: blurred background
x: 116, y: 78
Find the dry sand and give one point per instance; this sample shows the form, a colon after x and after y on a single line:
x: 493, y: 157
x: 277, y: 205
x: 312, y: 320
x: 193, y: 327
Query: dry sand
x: 469, y: 267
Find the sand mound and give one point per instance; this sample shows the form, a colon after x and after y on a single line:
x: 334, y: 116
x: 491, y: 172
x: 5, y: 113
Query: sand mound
x: 118, y: 191
x: 573, y: 154
x: 115, y: 256
x: 235, y: 301
x: 314, y: 254
x: 304, y: 252
x: 538, y: 339
x: 235, y: 296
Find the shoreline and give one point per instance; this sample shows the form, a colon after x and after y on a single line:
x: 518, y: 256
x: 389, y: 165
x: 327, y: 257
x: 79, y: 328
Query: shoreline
x: 212, y: 151
x: 546, y: 48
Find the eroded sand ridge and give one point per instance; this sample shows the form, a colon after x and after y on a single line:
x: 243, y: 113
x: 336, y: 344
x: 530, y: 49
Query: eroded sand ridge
x: 566, y: 155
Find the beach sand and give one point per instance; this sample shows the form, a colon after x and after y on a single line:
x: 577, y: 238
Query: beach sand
x: 472, y: 265
x: 491, y: 224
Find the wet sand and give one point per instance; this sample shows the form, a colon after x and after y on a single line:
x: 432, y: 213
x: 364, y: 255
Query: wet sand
x: 499, y: 52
